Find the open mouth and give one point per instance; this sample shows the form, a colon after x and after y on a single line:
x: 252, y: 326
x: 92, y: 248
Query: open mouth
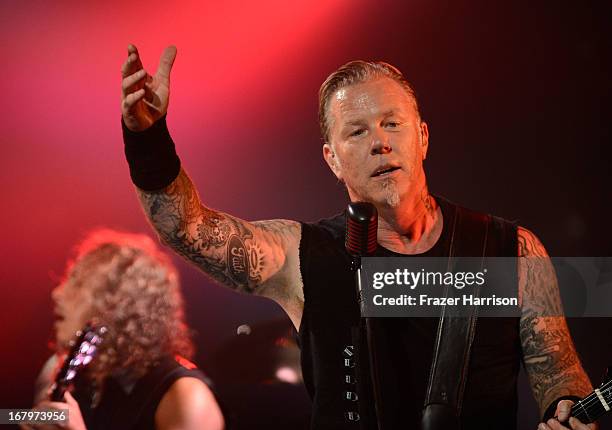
x: 385, y: 170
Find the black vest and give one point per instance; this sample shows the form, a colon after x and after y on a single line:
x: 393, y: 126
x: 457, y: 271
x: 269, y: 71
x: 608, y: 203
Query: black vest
x: 331, y: 315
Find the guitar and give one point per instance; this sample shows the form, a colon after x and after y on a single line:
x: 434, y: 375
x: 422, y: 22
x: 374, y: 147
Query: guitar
x: 596, y: 404
x: 83, y: 350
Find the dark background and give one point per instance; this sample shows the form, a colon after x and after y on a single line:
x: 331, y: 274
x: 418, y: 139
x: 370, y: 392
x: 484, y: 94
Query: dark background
x: 516, y: 95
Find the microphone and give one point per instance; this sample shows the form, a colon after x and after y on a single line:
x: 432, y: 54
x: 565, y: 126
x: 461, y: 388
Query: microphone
x: 361, y: 229
x: 361, y: 241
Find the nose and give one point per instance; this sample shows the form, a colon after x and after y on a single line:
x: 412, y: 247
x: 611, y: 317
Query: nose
x: 380, y: 143
x: 56, y: 292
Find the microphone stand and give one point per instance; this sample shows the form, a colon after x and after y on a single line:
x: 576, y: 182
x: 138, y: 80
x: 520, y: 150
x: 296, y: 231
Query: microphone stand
x: 369, y: 342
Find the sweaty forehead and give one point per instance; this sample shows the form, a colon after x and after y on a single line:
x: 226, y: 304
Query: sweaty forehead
x: 369, y: 98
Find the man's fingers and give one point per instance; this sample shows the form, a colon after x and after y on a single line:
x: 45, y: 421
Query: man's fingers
x: 136, y: 85
x: 554, y: 424
x: 130, y: 101
x: 575, y: 424
x: 132, y: 49
x: 132, y: 62
x: 166, y: 61
x: 128, y: 83
x: 543, y: 426
x: 149, y: 93
x: 128, y: 65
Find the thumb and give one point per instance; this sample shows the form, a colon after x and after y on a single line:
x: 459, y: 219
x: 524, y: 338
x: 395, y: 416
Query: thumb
x: 563, y: 410
x: 166, y: 61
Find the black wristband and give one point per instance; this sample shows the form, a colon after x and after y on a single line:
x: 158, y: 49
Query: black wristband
x: 550, y: 411
x: 151, y: 156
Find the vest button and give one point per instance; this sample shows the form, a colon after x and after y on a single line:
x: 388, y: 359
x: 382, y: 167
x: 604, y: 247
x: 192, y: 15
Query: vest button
x: 349, y: 379
x: 349, y: 351
x: 351, y: 416
x: 350, y: 395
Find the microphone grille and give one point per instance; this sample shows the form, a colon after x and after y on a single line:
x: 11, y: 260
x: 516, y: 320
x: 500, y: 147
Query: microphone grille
x: 361, y: 229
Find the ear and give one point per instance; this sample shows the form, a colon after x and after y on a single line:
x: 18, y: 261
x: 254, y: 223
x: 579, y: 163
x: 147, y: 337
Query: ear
x: 424, y: 138
x: 331, y: 160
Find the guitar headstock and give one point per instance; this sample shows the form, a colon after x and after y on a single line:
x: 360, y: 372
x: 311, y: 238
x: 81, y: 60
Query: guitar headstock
x: 83, y: 350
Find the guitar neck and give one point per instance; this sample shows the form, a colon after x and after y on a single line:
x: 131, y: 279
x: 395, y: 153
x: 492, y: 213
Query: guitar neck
x: 81, y: 354
x: 591, y: 408
x: 57, y: 395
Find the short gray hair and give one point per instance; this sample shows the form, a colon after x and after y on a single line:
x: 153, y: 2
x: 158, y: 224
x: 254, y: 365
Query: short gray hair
x: 357, y: 72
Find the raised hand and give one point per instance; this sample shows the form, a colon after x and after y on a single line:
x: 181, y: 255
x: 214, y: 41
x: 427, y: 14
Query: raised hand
x: 144, y: 98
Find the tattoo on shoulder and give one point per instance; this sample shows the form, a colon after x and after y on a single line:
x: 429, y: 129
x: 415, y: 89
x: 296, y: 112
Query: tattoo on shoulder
x: 537, y: 279
x: 221, y: 245
x: 529, y: 244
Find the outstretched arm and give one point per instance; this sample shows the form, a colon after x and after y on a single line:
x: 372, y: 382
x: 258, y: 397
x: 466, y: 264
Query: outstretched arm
x: 254, y: 257
x: 550, y: 357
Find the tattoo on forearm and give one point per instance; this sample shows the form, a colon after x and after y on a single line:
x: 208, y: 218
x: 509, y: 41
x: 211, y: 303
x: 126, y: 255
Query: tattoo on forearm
x: 550, y: 358
x: 221, y: 245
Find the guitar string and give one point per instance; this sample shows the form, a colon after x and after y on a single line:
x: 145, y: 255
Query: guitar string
x: 590, y: 404
x: 595, y: 398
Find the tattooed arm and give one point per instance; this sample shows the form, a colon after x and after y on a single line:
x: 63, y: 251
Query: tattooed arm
x: 258, y: 257
x: 550, y: 358
x: 253, y: 257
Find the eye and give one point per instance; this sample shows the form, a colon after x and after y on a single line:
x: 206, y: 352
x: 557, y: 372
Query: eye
x: 357, y: 132
x: 392, y: 124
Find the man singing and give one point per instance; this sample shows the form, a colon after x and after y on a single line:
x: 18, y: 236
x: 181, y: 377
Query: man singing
x: 375, y: 143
